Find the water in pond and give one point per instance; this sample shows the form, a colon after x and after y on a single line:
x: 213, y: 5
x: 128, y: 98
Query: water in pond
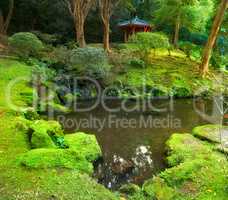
x: 133, y: 143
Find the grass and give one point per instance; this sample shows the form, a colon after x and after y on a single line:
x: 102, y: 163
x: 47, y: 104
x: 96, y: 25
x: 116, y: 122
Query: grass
x: 18, y: 182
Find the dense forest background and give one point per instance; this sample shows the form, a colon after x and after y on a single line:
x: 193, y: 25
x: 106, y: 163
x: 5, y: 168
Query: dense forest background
x: 53, y: 17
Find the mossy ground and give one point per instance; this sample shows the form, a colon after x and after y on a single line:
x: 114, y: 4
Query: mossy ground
x: 169, y: 75
x: 17, y: 182
x: 198, y: 171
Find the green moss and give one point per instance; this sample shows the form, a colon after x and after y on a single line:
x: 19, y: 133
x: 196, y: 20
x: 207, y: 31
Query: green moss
x: 45, y: 133
x: 85, y: 144
x: 198, y: 172
x: 40, y: 139
x: 31, y: 114
x: 53, y: 128
x: 174, y: 74
x: 130, y: 189
x: 212, y: 133
x: 183, y: 147
x: 156, y: 188
x: 56, y: 158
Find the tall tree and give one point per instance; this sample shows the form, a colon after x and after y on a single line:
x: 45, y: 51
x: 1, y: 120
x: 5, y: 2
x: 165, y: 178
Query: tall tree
x: 192, y: 14
x: 204, y: 68
x: 79, y: 9
x: 106, y: 10
x: 6, y: 17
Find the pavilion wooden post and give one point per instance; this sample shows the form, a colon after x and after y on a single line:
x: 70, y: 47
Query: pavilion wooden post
x: 125, y: 36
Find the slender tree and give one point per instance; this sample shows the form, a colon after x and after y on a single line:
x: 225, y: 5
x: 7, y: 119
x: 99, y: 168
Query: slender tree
x: 204, y: 68
x: 106, y: 9
x: 5, y: 20
x: 79, y: 9
x: 192, y: 14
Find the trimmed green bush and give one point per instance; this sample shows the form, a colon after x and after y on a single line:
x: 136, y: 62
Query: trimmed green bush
x: 90, y: 61
x: 25, y: 44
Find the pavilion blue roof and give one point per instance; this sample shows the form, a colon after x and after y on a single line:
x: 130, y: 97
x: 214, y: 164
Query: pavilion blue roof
x: 135, y: 21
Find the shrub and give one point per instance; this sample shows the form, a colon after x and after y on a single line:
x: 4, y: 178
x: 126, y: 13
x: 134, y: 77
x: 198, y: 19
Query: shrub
x: 25, y: 44
x: 187, y: 48
x: 90, y: 61
x: 147, y: 41
x: 47, y: 38
x: 135, y: 62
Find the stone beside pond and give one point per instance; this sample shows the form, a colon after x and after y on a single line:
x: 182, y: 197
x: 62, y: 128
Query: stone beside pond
x: 216, y: 134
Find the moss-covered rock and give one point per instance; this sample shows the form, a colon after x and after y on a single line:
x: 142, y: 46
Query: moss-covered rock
x: 212, y: 133
x: 197, y: 172
x: 40, y: 139
x: 53, y: 128
x: 31, y: 114
x: 222, y: 148
x: 23, y: 124
x: 130, y: 189
x: 182, y: 147
x: 156, y: 188
x: 56, y: 158
x: 45, y: 133
x: 84, y: 144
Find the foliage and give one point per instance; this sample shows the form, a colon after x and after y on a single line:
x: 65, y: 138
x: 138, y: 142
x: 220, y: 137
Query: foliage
x: 40, y: 70
x: 90, y: 61
x: 147, y: 41
x: 25, y: 44
x: 187, y: 47
x: 194, y: 15
x: 47, y: 38
x: 135, y: 62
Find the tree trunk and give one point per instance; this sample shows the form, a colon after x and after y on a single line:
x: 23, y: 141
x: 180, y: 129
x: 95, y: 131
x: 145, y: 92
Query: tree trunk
x: 177, y: 30
x: 204, y: 68
x: 4, y: 23
x: 80, y: 33
x: 1, y: 23
x: 106, y: 36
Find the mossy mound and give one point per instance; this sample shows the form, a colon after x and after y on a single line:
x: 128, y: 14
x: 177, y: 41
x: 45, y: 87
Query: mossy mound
x: 84, y: 144
x: 44, y: 133
x: 40, y: 139
x: 53, y: 128
x: 156, y: 188
x: 56, y: 158
x: 130, y: 189
x: 212, y: 133
x: 182, y: 147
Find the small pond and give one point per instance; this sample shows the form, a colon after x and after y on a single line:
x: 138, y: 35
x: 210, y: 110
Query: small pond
x: 135, y: 150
